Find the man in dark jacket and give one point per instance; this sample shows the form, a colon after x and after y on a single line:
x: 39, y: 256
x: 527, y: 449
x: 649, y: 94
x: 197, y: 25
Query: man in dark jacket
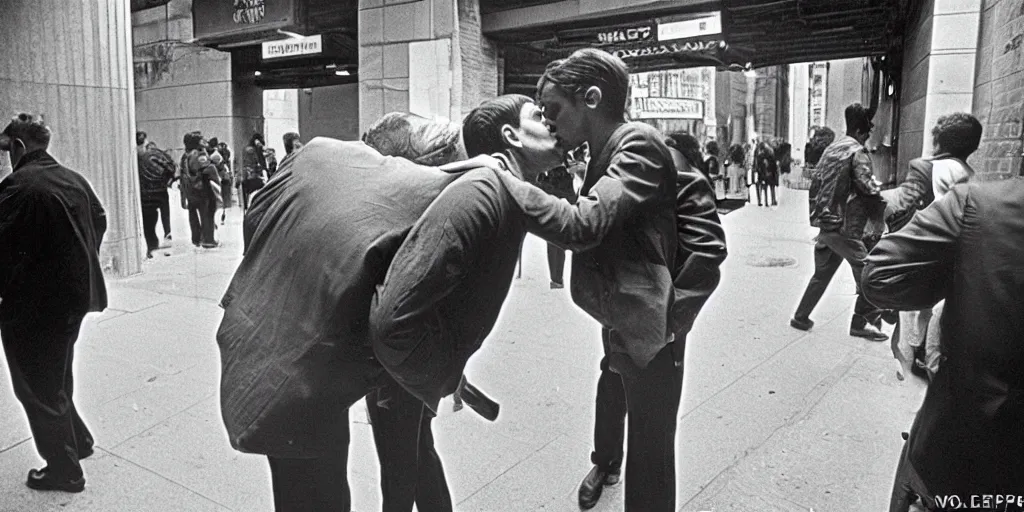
x: 156, y: 172
x: 199, y: 175
x: 964, y: 248
x: 651, y: 265
x: 847, y: 207
x: 51, y: 228
x: 290, y: 372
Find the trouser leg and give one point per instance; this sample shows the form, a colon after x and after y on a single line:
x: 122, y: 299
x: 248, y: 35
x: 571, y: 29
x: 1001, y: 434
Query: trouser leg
x: 653, y: 399
x: 40, y: 354
x: 194, y: 222
x: 826, y: 262
x: 774, y: 201
x: 312, y: 485
x: 610, y: 417
x: 854, y: 252
x: 149, y: 218
x: 556, y: 263
x: 410, y: 468
x: 208, y: 214
x: 165, y: 213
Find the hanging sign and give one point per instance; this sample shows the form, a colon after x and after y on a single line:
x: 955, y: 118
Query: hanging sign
x: 698, y: 27
x: 293, y: 47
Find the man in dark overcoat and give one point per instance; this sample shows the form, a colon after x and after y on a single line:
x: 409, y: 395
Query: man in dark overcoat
x: 51, y: 227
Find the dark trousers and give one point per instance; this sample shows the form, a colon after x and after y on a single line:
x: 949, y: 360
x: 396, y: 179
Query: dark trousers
x: 149, y: 218
x: 830, y: 250
x: 650, y: 401
x: 410, y: 469
x: 556, y: 263
x: 165, y: 213
x: 201, y: 214
x: 313, y: 485
x: 766, y: 188
x: 40, y: 351
x: 248, y: 188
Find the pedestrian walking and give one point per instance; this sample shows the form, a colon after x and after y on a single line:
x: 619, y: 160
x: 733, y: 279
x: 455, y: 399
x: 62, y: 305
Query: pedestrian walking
x: 200, y: 182
x: 165, y: 205
x: 254, y: 168
x: 766, y: 173
x: 847, y: 208
x: 156, y: 172
x: 965, y: 249
x: 51, y: 228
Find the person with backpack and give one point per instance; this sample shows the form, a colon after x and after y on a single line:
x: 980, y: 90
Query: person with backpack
x: 766, y: 172
x: 254, y: 168
x: 916, y: 343
x: 199, y: 183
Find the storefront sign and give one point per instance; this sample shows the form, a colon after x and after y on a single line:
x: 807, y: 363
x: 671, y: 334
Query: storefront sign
x: 292, y: 47
x: 212, y: 19
x: 668, y: 108
x: 626, y: 35
x: 666, y: 49
x: 685, y: 29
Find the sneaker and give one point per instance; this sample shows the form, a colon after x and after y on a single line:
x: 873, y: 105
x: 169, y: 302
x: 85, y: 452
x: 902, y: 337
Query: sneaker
x: 804, y: 324
x: 167, y: 237
x: 557, y: 286
x: 211, y: 246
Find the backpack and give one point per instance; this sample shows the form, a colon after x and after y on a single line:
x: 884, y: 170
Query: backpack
x: 196, y: 184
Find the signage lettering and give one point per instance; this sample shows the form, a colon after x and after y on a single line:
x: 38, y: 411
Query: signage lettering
x: 668, y: 108
x: 665, y: 49
x: 248, y: 11
x: 622, y: 35
x: 293, y: 47
x: 703, y: 26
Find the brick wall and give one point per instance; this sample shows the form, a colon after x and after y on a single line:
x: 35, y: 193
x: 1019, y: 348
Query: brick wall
x: 479, y: 57
x: 999, y: 89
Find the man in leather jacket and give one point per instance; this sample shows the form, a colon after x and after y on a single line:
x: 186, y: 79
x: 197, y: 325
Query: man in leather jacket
x: 847, y: 208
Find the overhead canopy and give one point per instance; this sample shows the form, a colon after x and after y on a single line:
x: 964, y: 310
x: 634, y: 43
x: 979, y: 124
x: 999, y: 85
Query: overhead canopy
x: 753, y: 33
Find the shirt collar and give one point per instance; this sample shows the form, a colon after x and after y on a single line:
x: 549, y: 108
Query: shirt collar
x: 31, y: 157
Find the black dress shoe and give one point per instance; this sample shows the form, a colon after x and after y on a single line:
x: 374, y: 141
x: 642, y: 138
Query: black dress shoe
x: 44, y: 480
x: 593, y: 484
x: 868, y: 332
x: 804, y: 324
x: 85, y: 451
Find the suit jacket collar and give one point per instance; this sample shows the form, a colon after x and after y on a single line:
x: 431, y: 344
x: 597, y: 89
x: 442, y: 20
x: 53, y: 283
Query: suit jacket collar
x: 39, y: 154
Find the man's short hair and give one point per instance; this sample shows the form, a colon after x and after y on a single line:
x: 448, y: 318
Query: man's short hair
x: 140, y: 138
x: 587, y: 68
x: 958, y: 134
x: 27, y: 127
x: 711, y: 148
x: 289, y: 141
x: 481, y: 130
x: 858, y: 119
x: 192, y: 140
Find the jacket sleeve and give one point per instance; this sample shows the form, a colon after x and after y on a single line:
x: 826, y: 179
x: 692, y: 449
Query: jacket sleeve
x: 912, y: 268
x: 21, y: 239
x: 863, y: 178
x: 99, y: 218
x: 427, y: 268
x: 701, y: 250
x: 635, y: 176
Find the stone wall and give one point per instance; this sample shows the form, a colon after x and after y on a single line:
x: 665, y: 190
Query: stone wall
x: 999, y: 89
x: 479, y: 56
x: 71, y: 62
x: 914, y: 90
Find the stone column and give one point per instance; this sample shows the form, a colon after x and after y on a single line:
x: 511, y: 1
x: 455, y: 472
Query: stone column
x: 423, y: 56
x: 71, y: 62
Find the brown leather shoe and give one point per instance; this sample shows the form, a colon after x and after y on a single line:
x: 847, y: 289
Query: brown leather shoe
x: 44, y: 480
x: 593, y: 484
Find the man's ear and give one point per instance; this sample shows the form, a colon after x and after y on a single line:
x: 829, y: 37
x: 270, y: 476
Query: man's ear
x: 593, y: 96
x: 510, y: 137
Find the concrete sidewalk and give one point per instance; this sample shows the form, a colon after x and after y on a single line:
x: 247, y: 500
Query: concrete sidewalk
x: 772, y: 418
